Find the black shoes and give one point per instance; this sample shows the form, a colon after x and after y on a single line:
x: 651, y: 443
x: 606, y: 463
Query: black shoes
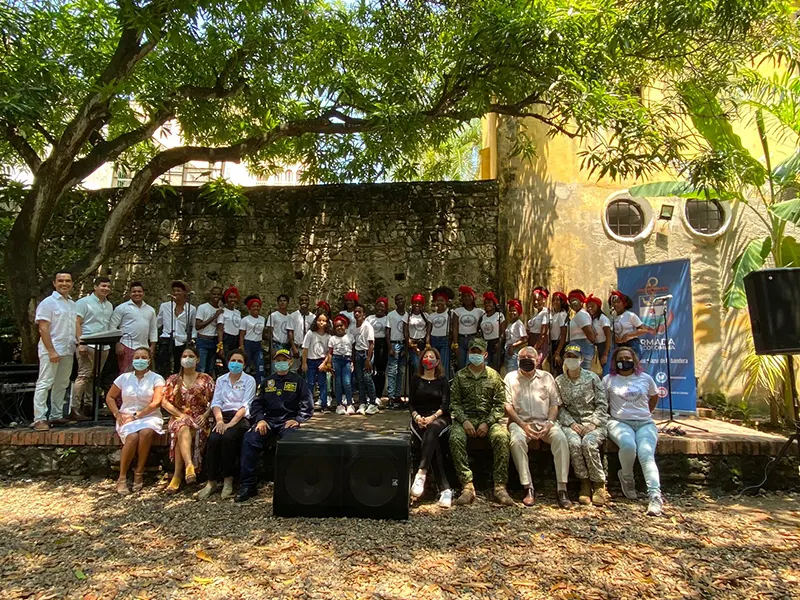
x: 563, y: 499
x: 245, y: 494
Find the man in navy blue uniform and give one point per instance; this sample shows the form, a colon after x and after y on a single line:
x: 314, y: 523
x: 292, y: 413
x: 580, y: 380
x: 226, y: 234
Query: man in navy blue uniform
x: 284, y: 402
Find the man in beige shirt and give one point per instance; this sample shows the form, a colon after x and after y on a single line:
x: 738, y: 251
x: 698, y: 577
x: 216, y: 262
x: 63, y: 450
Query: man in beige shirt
x: 532, y: 403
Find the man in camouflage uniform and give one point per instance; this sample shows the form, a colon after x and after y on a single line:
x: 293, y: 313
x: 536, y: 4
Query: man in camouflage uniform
x: 477, y: 401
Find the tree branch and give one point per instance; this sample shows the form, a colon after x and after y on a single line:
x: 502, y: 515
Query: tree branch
x: 22, y: 147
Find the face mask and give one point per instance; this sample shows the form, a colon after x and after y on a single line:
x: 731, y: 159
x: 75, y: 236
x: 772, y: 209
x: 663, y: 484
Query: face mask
x: 572, y: 364
x: 235, y: 367
x: 140, y: 364
x: 187, y: 362
x: 625, y: 365
x: 527, y: 364
x: 281, y: 365
x: 429, y: 363
x: 476, y: 359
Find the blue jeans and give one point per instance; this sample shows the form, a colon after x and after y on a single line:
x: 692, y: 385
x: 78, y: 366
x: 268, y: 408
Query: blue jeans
x: 637, y: 439
x: 442, y: 344
x: 364, y: 383
x: 255, y: 359
x: 314, y: 375
x: 342, y: 378
x: 413, y: 357
x: 601, y: 351
x: 395, y: 371
x: 275, y: 347
x: 587, y: 351
x: 207, y: 348
x: 495, y: 358
x: 512, y: 362
x: 463, y: 349
x: 635, y: 345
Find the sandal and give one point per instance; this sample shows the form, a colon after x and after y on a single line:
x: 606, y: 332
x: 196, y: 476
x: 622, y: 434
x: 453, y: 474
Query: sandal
x: 191, y: 476
x: 122, y: 487
x: 174, y: 486
x: 138, y: 482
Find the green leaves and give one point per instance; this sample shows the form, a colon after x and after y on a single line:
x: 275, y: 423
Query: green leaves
x: 788, y: 210
x: 790, y: 252
x: 751, y: 259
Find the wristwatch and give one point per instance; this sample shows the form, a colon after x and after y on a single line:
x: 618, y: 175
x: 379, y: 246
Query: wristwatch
x: 551, y: 422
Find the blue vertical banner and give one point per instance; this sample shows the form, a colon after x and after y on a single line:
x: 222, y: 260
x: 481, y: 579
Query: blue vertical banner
x: 644, y: 284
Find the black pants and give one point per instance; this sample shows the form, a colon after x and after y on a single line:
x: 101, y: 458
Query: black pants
x: 555, y: 368
x: 432, y: 454
x: 222, y: 450
x: 229, y: 342
x: 168, y: 357
x: 379, y: 360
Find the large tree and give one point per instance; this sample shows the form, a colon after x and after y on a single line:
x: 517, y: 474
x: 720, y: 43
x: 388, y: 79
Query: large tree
x: 354, y: 90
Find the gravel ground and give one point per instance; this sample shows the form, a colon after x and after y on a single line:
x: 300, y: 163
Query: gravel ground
x: 79, y: 540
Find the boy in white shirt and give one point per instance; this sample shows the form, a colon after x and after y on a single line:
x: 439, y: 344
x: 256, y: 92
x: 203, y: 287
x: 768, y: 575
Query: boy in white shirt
x: 279, y: 328
x: 365, y: 352
x: 396, y: 323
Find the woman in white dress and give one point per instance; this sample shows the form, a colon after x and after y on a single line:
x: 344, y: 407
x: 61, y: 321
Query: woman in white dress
x: 138, y: 417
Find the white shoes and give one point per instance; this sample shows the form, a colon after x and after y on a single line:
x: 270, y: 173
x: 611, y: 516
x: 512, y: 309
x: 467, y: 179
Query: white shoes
x: 419, y: 485
x: 655, y: 506
x: 628, y: 486
x: 372, y: 409
x: 341, y: 410
x: 317, y: 405
x: 446, y: 499
x: 350, y: 410
x: 362, y: 409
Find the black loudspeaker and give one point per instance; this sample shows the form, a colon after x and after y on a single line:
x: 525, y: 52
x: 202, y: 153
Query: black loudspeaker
x: 342, y: 474
x: 772, y: 296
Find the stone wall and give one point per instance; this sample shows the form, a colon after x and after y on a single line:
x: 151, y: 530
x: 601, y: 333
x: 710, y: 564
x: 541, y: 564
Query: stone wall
x: 375, y: 238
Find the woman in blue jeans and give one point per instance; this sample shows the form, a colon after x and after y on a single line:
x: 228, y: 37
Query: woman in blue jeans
x: 315, y: 349
x: 632, y: 397
x: 341, y: 352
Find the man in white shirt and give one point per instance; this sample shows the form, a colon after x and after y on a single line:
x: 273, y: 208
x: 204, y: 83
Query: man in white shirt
x: 137, y: 321
x: 279, y: 327
x: 301, y: 322
x: 208, y: 324
x: 396, y: 323
x: 93, y: 316
x: 56, y: 319
x: 365, y: 352
x: 532, y: 402
x: 176, y: 321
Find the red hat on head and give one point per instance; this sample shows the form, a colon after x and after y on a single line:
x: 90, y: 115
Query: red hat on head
x: 324, y: 305
x: 351, y: 296
x: 542, y: 291
x: 465, y: 289
x: 253, y: 301
x: 491, y: 296
x: 577, y: 294
x: 592, y: 299
x: 514, y: 303
x: 342, y: 319
x: 231, y: 290
x: 383, y: 299
x: 418, y: 298
x: 562, y: 296
x: 625, y: 299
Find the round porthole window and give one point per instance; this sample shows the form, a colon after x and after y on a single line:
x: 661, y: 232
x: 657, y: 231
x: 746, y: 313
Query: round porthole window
x: 627, y: 219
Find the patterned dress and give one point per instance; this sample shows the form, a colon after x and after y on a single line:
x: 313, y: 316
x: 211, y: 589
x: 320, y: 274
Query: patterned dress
x: 194, y: 402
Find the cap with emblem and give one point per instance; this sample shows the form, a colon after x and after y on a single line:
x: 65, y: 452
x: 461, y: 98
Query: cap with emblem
x: 573, y: 349
x: 282, y: 352
x: 478, y: 343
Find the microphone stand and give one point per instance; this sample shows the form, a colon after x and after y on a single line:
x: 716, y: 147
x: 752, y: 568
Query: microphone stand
x: 664, y: 424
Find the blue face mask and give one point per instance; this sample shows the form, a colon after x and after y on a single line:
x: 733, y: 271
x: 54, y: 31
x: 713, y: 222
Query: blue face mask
x: 140, y: 364
x: 476, y: 359
x: 235, y: 367
x: 281, y: 366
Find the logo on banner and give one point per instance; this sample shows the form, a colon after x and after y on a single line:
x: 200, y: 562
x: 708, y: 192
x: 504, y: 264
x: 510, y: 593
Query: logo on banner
x: 661, y: 377
x: 662, y: 391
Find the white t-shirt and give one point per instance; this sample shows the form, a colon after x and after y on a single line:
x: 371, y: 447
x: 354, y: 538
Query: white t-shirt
x: 316, y: 344
x: 253, y: 327
x: 393, y: 321
x: 417, y: 326
x: 515, y: 332
x: 60, y: 313
x: 351, y: 329
x: 629, y: 397
x: 468, y: 320
x: 440, y: 324
x: 138, y: 393
x: 490, y: 325
x: 341, y: 346
x: 280, y: 324
x: 378, y: 326
x: 364, y: 335
x: 535, y: 323
x: 597, y: 325
x: 300, y: 325
x: 139, y: 324
x: 206, y: 311
x: 231, y: 321
x: 557, y: 321
x: 576, y: 324
x: 627, y: 322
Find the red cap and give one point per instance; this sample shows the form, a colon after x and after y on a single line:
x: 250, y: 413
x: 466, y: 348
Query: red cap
x: 231, y: 290
x: 592, y: 299
x: 252, y: 301
x: 562, y: 296
x: 514, y: 303
x: 491, y: 296
x: 343, y: 319
x: 578, y: 295
x: 383, y: 299
x: 465, y: 289
x: 324, y: 305
x: 542, y: 291
x: 418, y: 298
x: 351, y: 296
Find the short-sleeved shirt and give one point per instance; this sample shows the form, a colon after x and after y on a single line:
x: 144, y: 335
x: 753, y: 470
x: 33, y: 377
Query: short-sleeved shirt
x: 468, y: 320
x: 60, y: 313
x: 629, y: 396
x: 280, y: 324
x: 137, y: 393
x: 625, y: 323
x: 364, y: 335
x: 490, y: 325
x: 138, y: 324
x: 598, y: 324
x: 233, y: 396
x: 341, y: 345
x: 95, y: 315
x: 316, y: 345
x: 204, y: 312
x: 394, y: 322
x: 300, y: 325
x: 417, y: 326
x: 576, y: 324
x: 378, y: 326
x: 532, y: 397
x: 535, y: 323
x: 351, y: 328
x: 231, y: 321
x: 440, y: 323
x: 180, y: 323
x: 253, y: 328
x: 515, y: 332
x: 557, y: 321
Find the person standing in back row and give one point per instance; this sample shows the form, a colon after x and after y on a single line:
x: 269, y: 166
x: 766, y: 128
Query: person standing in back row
x: 208, y: 322
x: 441, y: 329
x: 492, y: 327
x: 279, y: 327
x: 301, y: 322
x: 466, y: 327
x: 365, y: 352
x: 176, y: 321
x: 396, y: 324
x: 231, y: 320
x: 139, y: 326
x: 381, y: 357
x: 251, y: 334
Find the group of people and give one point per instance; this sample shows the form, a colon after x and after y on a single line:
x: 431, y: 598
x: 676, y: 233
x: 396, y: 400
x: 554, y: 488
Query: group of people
x: 168, y: 360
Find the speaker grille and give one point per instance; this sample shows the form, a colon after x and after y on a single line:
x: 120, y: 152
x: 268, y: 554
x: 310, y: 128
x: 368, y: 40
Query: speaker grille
x: 374, y: 481
x: 310, y: 480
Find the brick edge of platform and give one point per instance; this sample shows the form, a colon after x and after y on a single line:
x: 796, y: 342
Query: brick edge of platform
x: 70, y: 437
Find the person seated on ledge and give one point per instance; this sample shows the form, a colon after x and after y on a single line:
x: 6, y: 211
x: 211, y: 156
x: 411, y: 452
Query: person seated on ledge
x: 139, y: 418
x: 187, y: 399
x: 583, y: 416
x: 632, y: 397
x: 532, y: 408
x: 233, y: 397
x: 284, y: 402
x: 477, y: 405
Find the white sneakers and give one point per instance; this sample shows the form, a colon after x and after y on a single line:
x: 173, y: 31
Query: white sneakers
x: 350, y: 410
x: 362, y: 409
x: 419, y: 485
x: 373, y: 409
x: 628, y: 486
x: 655, y: 506
x: 446, y: 499
x: 341, y: 410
